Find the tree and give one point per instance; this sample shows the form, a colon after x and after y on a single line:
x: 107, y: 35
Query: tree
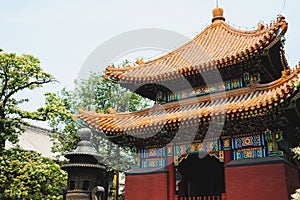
x: 17, y: 73
x: 97, y: 94
x: 58, y: 111
x: 27, y: 175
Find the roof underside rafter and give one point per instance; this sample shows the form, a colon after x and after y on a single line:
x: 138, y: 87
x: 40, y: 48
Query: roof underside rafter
x: 241, y: 102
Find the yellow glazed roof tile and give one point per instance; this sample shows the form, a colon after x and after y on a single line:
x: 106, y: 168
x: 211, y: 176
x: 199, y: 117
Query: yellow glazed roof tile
x: 217, y: 45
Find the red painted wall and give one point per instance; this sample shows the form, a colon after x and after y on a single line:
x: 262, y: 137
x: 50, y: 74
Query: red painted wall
x: 292, y: 179
x: 146, y: 187
x: 261, y: 182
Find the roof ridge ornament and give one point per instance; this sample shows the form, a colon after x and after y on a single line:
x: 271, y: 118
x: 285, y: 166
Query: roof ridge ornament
x: 218, y: 15
x: 140, y: 61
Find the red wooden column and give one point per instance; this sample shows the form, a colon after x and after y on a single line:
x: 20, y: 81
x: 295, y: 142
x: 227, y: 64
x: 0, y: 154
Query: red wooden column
x: 227, y: 151
x: 227, y: 156
x: 171, y: 178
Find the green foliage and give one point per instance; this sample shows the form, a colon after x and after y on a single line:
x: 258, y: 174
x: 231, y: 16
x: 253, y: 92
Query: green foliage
x: 96, y: 94
x: 115, y: 157
x: 27, y: 175
x: 57, y: 111
x: 17, y: 73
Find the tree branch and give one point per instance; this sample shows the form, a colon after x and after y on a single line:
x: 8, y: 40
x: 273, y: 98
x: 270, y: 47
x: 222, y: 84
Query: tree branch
x: 23, y: 87
x: 5, y: 81
x: 31, y: 115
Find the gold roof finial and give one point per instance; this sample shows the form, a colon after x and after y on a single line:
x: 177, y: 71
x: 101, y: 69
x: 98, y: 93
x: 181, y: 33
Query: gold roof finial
x: 218, y: 15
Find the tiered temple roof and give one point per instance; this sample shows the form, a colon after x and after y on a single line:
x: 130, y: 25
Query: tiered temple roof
x: 233, y: 52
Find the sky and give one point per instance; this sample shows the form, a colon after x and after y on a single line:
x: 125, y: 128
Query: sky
x: 63, y: 33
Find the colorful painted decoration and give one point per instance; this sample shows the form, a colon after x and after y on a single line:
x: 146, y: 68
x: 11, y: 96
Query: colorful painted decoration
x: 149, y: 158
x: 272, y: 139
x: 180, y: 149
x: 226, y: 144
x: 249, y: 141
x: 195, y: 148
x: 150, y: 163
x: 227, y: 85
x: 153, y: 153
x: 255, y: 152
x: 242, y: 148
x: 170, y: 151
x: 206, y: 146
x: 221, y: 156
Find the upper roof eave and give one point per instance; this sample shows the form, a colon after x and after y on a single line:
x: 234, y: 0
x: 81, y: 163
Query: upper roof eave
x: 219, y: 44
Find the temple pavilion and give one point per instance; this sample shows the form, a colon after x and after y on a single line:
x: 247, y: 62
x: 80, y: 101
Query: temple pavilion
x: 226, y: 114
